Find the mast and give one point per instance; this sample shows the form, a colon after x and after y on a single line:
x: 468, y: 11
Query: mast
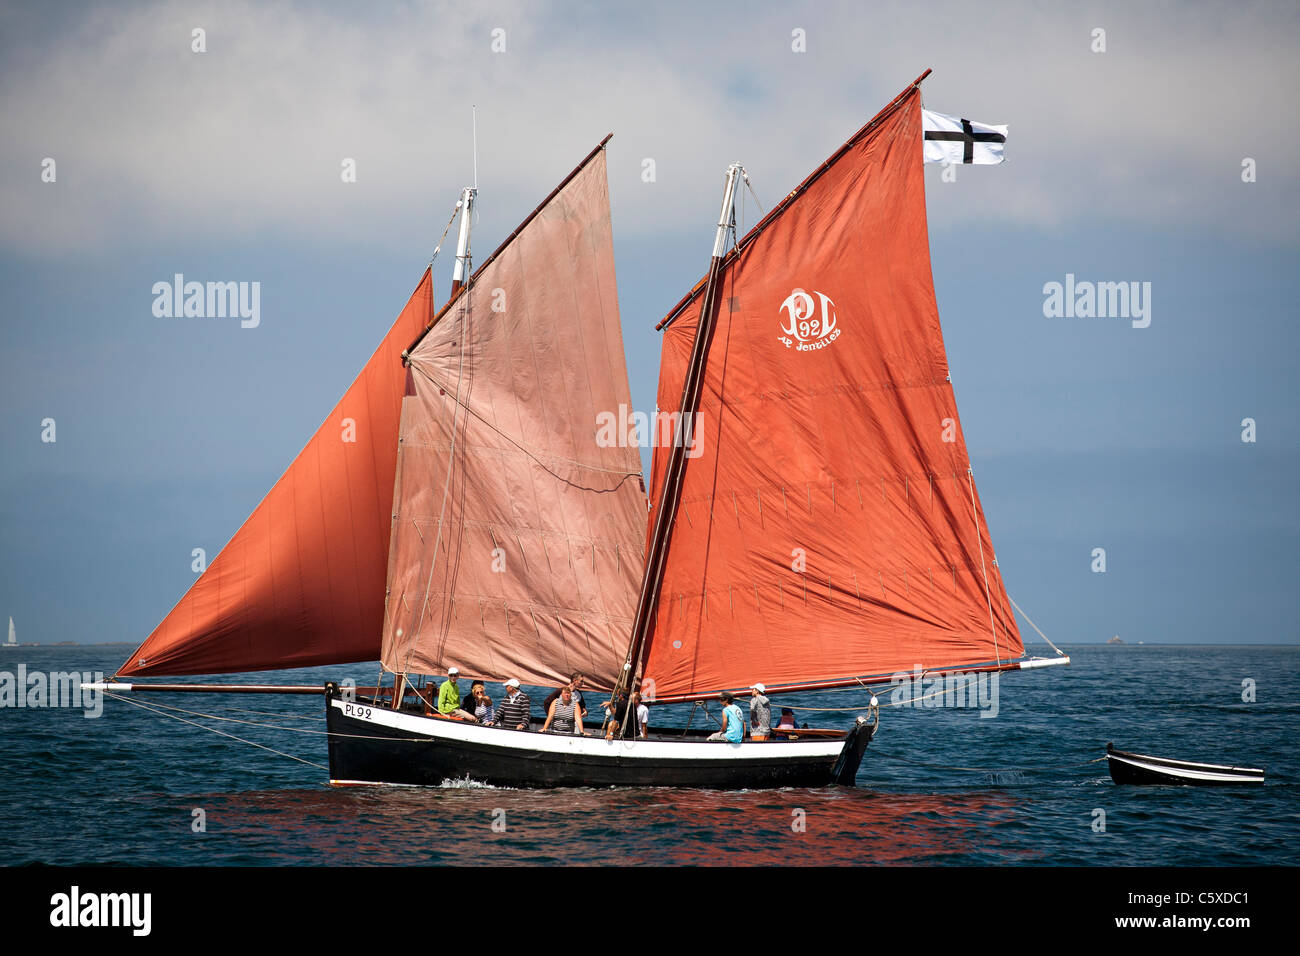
x: 461, y: 270
x: 465, y: 205
x: 666, y: 513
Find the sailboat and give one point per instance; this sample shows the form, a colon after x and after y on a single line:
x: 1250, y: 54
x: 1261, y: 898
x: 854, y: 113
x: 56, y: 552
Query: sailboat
x: 813, y: 518
x: 12, y: 640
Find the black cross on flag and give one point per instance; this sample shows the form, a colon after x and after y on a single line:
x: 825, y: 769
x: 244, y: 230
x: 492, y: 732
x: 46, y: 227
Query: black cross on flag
x: 949, y: 139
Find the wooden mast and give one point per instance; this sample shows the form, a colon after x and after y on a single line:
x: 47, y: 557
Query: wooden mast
x: 461, y: 269
x: 666, y: 512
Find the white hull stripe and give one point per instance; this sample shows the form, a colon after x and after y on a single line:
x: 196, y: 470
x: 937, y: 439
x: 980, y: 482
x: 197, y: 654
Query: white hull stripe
x: 1188, y: 773
x: 466, y: 732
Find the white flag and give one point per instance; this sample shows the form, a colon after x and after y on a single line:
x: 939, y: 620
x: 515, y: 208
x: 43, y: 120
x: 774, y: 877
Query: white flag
x: 949, y: 139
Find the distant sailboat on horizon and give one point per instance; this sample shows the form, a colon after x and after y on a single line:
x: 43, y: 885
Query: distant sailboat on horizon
x: 13, y: 636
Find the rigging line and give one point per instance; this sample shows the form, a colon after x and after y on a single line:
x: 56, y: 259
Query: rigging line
x: 1033, y: 625
x: 572, y: 484
x: 970, y: 480
x: 901, y: 703
x: 875, y: 690
x: 744, y: 174
x: 936, y: 693
x: 455, y: 209
x: 451, y: 570
x: 993, y: 770
x: 828, y: 709
x: 237, y: 720
x: 222, y: 733
x: 264, y: 713
x: 442, y: 511
x: 161, y: 709
x: 427, y: 701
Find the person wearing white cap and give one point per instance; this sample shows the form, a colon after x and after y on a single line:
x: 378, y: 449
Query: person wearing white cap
x: 449, y: 697
x: 514, y: 713
x: 760, y: 713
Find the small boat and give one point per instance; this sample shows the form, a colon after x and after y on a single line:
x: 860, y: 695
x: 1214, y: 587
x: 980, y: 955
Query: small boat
x: 1141, y: 769
x: 13, y: 636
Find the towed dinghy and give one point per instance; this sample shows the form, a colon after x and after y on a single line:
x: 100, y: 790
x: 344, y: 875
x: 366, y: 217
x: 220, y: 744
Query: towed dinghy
x: 1142, y: 769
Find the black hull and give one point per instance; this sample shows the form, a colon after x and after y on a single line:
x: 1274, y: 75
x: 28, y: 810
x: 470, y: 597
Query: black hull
x: 362, y: 751
x: 1143, y: 770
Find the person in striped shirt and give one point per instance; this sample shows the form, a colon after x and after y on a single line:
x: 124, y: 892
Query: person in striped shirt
x: 564, y: 714
x: 480, y: 704
x: 514, y: 712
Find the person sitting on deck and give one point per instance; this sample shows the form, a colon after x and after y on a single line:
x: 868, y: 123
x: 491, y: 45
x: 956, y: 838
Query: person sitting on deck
x: 642, y: 715
x: 480, y: 704
x: 514, y: 710
x: 575, y: 684
x: 637, y: 716
x: 733, y: 722
x: 760, y: 713
x: 449, y: 697
x: 564, y: 714
x: 787, y: 719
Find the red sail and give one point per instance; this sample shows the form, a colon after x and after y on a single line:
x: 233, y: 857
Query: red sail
x: 517, y: 518
x: 302, y: 582
x: 828, y: 528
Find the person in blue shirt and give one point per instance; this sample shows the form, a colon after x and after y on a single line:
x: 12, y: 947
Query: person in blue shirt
x: 733, y: 722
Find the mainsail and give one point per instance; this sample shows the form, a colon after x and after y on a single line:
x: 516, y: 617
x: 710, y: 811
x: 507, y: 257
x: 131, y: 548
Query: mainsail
x: 517, y: 536
x: 828, y: 527
x: 302, y: 582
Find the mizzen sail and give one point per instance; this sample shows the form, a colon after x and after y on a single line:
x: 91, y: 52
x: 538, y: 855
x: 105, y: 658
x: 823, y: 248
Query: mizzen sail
x: 302, y: 582
x: 828, y: 526
x: 516, y: 542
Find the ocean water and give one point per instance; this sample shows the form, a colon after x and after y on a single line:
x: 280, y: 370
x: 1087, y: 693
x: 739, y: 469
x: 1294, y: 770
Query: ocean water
x: 938, y: 786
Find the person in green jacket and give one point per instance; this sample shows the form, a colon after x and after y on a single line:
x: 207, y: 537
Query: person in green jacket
x: 449, y: 697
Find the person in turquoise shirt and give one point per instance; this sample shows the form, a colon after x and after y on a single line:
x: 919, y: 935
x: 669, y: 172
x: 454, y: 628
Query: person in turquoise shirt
x: 733, y: 722
x: 449, y: 697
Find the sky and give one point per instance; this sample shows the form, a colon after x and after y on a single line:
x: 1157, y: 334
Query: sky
x: 1127, y: 160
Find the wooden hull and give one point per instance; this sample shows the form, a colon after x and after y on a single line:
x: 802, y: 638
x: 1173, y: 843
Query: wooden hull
x: 372, y: 744
x: 1130, y: 768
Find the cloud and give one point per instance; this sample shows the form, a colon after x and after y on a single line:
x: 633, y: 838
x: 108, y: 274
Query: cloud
x: 154, y: 142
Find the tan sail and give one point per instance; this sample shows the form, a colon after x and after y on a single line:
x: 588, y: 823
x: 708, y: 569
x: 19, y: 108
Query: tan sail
x: 517, y: 538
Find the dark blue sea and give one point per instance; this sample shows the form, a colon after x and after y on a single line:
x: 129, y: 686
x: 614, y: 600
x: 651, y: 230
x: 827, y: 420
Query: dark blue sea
x: 939, y: 785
